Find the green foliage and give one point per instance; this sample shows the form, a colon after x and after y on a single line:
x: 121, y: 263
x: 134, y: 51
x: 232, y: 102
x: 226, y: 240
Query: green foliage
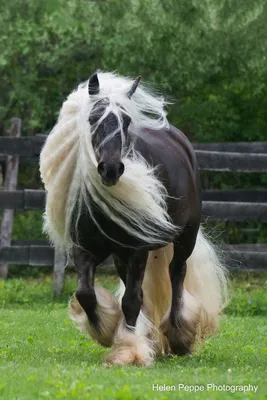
x: 248, y: 292
x: 28, y: 225
x: 36, y: 293
x: 43, y: 39
x: 209, y: 55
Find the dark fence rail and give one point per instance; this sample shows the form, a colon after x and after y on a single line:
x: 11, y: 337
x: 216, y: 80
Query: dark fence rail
x: 236, y: 147
x: 27, y: 255
x: 251, y: 257
x: 26, y: 199
x: 222, y: 210
x: 30, y: 146
x: 235, y: 211
x: 208, y: 159
x: 231, y: 162
x: 238, y: 195
x: 29, y: 199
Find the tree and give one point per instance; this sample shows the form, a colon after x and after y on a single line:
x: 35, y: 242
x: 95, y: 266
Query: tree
x: 208, y: 56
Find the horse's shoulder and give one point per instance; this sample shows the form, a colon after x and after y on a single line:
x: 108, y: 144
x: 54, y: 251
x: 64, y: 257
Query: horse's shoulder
x: 167, y: 142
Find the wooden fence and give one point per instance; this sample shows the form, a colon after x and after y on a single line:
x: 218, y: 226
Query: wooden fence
x: 228, y: 205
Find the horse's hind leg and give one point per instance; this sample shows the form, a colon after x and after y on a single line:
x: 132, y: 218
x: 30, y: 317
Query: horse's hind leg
x: 180, y: 323
x: 131, y: 346
x: 93, y: 308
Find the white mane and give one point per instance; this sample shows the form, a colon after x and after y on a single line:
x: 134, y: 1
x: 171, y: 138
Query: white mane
x: 68, y: 166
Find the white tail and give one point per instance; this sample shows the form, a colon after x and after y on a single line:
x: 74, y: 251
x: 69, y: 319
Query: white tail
x: 206, y: 281
x: 205, y: 289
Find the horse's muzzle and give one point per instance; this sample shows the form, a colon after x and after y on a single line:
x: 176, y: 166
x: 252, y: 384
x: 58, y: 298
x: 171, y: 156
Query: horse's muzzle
x: 110, y: 172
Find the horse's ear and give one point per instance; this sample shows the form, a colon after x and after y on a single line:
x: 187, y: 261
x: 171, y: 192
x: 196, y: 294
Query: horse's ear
x: 93, y: 84
x: 134, y: 86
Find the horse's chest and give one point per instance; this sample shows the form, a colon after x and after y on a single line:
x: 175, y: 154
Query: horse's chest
x: 100, y: 230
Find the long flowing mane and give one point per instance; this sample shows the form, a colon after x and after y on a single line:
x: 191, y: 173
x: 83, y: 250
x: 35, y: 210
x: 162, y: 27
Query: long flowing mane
x: 137, y: 202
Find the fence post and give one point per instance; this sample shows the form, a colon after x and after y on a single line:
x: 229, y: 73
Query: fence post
x: 59, y: 272
x: 12, y: 165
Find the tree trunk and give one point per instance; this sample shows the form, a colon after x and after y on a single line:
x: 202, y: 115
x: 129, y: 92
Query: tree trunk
x: 10, y: 183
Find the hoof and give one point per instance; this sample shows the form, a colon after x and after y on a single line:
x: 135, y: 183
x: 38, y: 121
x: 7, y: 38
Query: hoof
x: 181, y: 330
x: 108, y: 315
x: 181, y: 337
x: 131, y: 349
x: 127, y: 356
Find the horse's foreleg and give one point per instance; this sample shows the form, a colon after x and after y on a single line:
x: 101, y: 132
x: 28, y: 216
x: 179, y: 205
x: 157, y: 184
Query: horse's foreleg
x: 180, y: 323
x: 93, y: 308
x: 131, y: 346
x: 85, y: 294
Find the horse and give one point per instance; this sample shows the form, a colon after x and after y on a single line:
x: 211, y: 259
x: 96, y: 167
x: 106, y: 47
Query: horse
x: 122, y: 181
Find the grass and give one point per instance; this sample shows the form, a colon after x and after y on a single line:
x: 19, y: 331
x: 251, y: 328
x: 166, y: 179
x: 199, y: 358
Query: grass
x: 42, y: 355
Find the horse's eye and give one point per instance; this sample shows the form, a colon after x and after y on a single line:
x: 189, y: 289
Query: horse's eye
x: 126, y: 121
x: 90, y: 120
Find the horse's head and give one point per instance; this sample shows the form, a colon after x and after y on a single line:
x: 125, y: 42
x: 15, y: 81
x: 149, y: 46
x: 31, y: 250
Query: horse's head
x: 109, y: 125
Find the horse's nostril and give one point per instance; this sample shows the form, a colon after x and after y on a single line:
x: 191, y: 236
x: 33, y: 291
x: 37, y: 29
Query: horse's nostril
x: 121, y: 168
x: 101, y: 168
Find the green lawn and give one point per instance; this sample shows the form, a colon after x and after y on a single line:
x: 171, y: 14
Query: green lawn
x: 43, y: 356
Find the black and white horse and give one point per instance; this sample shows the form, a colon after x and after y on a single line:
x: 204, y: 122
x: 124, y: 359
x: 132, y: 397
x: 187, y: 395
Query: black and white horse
x: 120, y: 180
